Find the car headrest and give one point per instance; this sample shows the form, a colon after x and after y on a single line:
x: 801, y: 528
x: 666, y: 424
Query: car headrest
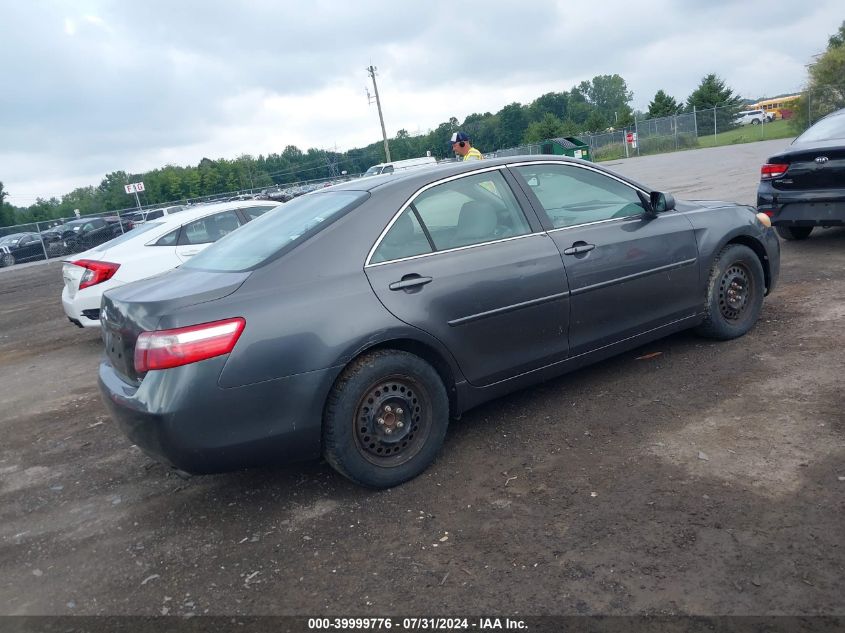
x: 476, y: 220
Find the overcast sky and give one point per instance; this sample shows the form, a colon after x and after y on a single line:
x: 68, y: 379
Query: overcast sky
x: 90, y: 86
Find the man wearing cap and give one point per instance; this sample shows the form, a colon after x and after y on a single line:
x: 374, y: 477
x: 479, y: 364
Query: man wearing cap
x: 462, y: 146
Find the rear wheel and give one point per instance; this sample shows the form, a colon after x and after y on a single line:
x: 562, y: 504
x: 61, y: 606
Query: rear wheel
x: 8, y: 259
x: 385, y: 419
x: 734, y: 293
x: 794, y: 232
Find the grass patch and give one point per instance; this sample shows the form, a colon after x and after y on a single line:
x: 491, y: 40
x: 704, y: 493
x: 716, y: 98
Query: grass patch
x: 748, y: 134
x: 660, y: 145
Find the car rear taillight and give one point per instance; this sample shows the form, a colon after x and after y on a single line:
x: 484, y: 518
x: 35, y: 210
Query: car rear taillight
x: 772, y: 170
x: 95, y: 272
x: 171, y: 348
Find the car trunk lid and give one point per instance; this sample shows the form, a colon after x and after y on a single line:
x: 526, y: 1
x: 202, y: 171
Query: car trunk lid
x: 819, y: 167
x: 138, y: 307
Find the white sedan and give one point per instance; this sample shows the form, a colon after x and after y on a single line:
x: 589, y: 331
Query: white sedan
x: 150, y: 249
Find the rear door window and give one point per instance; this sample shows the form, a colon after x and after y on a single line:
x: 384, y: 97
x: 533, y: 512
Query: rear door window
x: 472, y: 210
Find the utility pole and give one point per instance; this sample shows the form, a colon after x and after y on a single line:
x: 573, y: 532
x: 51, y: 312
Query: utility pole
x: 371, y: 70
x: 331, y: 163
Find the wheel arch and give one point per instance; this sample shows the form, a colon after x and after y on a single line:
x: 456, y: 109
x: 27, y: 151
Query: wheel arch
x: 435, y: 357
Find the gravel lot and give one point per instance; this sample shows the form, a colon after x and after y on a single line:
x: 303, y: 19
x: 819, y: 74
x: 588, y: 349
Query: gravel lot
x: 707, y: 480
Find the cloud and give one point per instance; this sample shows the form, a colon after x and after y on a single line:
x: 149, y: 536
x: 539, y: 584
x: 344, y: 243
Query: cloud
x: 114, y: 86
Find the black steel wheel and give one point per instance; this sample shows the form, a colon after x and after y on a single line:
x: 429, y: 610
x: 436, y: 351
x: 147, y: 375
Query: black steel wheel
x: 735, y: 288
x: 734, y: 296
x: 394, y: 420
x: 385, y: 419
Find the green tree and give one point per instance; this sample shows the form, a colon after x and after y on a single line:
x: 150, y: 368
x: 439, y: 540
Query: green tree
x: 596, y: 122
x: 513, y: 123
x: 713, y: 93
x: 556, y: 103
x: 610, y: 97
x: 7, y: 212
x: 825, y: 86
x: 838, y: 38
x: 662, y: 105
x: 579, y: 108
x: 549, y: 127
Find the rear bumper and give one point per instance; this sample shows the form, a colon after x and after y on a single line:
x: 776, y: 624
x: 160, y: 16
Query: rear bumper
x: 182, y: 418
x: 79, y: 314
x: 83, y: 308
x: 819, y: 208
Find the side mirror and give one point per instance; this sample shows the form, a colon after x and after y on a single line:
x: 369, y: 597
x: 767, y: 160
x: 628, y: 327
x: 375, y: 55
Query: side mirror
x: 661, y: 202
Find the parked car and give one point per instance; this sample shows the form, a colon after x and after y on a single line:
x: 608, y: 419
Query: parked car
x: 79, y: 235
x: 53, y: 240
x: 20, y: 247
x: 150, y: 249
x: 804, y: 186
x: 357, y: 320
x: 753, y: 117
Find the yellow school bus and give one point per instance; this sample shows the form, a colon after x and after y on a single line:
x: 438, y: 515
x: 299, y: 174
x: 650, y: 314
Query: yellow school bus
x: 777, y: 108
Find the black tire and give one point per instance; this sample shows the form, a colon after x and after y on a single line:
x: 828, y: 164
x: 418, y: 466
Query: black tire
x: 408, y: 396
x: 794, y: 232
x: 735, y: 292
x: 7, y: 260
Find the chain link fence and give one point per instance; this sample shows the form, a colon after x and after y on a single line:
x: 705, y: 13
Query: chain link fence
x: 63, y: 237
x: 700, y: 128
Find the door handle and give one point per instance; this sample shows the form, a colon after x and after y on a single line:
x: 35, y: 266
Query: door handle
x: 410, y: 281
x: 579, y: 247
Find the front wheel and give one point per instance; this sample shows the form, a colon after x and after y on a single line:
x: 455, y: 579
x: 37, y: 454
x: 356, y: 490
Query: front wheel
x: 735, y: 292
x: 385, y: 419
x: 8, y: 259
x: 794, y: 232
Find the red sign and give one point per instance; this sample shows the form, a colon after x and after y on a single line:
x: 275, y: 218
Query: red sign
x: 629, y: 137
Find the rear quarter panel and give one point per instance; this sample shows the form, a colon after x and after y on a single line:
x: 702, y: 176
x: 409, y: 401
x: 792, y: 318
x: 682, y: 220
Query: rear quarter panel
x: 313, y: 308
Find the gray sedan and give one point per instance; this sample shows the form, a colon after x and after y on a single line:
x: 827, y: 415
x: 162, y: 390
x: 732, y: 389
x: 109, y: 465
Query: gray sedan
x: 355, y: 322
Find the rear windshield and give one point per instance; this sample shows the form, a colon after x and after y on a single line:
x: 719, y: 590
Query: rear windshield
x: 269, y: 234
x: 826, y: 129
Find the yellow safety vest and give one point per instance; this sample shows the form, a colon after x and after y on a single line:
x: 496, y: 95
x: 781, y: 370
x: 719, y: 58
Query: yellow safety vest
x: 472, y: 154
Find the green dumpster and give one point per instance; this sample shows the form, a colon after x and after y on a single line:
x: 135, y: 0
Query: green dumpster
x: 566, y: 146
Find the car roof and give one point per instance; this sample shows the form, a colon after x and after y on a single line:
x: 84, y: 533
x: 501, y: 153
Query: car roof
x: 421, y: 177
x: 202, y: 210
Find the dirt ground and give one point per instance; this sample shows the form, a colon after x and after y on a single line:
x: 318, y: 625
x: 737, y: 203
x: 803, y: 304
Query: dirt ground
x: 709, y: 479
